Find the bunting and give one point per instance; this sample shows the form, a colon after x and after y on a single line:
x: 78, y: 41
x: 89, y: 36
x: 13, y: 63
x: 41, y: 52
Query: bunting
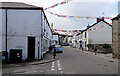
x: 77, y: 31
x: 65, y: 16
x: 64, y: 2
x: 69, y: 34
x: 69, y: 31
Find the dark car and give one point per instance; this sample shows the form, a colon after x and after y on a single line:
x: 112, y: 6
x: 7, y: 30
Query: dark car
x: 65, y: 44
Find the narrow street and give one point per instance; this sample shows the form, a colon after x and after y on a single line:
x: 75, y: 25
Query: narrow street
x: 76, y: 62
x: 71, y: 61
x: 84, y: 36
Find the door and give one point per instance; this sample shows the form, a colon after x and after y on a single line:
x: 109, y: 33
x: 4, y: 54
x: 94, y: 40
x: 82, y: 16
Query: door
x: 31, y: 47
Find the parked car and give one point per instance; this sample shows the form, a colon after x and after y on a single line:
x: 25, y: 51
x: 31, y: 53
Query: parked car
x: 65, y: 44
x: 59, y: 49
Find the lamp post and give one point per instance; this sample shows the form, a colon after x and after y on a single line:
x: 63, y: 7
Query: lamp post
x: 38, y: 44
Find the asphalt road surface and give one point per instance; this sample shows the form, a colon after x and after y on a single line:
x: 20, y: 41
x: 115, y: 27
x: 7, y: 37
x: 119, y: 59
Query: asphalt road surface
x: 71, y: 61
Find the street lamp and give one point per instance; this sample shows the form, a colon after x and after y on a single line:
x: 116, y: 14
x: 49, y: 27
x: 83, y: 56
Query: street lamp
x: 38, y: 44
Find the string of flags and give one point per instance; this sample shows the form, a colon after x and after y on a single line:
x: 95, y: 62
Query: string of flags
x: 64, y: 2
x: 65, y: 16
x: 76, y: 31
x: 70, y: 31
x: 95, y: 28
x: 70, y: 34
x: 87, y: 17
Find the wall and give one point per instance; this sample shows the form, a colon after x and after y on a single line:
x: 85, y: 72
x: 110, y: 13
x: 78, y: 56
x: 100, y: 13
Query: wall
x: 2, y: 23
x: 47, y: 34
x: 83, y: 40
x: 100, y: 36
x: 116, y: 37
x: 21, y: 24
x: 55, y: 37
x: 1, y: 15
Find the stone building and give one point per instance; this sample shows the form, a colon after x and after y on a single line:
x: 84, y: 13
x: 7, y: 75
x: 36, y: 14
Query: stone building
x: 116, y: 36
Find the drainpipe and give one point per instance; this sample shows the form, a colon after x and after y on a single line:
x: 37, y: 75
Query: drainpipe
x: 6, y: 31
x: 41, y: 33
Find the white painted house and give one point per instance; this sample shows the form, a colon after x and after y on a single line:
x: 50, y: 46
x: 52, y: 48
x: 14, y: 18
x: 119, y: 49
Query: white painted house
x: 74, y: 41
x: 99, y: 36
x: 55, y: 39
x: 24, y: 27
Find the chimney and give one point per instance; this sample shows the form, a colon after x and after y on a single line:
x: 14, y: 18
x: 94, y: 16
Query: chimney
x: 98, y: 19
x: 88, y: 26
x: 103, y: 18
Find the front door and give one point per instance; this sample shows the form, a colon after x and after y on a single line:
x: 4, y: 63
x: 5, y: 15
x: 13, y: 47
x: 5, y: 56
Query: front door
x: 31, y: 47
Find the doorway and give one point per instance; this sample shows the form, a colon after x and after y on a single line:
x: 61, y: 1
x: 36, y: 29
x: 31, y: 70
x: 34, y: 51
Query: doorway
x: 31, y: 47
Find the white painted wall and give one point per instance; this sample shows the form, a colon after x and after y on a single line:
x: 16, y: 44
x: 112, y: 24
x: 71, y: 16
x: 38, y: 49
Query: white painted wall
x: 0, y: 30
x: 47, y: 35
x: 55, y: 37
x: 21, y: 24
x: 100, y: 36
x: 84, y: 40
x: 2, y: 23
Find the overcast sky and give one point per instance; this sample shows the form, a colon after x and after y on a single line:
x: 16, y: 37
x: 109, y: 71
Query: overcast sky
x: 94, y: 8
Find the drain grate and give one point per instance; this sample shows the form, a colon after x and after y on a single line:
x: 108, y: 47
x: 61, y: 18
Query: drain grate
x: 111, y: 61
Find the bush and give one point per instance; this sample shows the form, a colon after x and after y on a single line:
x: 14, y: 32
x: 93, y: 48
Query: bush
x: 89, y: 45
x: 92, y: 47
x: 106, y: 45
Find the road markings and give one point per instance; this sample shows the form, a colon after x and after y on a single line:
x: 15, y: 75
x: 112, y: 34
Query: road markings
x: 58, y: 61
x: 59, y: 68
x: 52, y: 69
x: 53, y: 65
x: 61, y: 72
x: 26, y: 72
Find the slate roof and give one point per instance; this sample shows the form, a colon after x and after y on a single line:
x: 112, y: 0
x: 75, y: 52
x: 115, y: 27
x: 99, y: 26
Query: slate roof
x: 117, y: 17
x: 95, y: 24
x: 98, y: 22
x: 17, y: 5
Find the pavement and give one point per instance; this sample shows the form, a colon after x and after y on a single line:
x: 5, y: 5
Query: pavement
x: 107, y: 56
x: 47, y: 58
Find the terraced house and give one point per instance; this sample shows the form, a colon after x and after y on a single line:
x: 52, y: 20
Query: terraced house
x: 98, y: 33
x: 25, y: 30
